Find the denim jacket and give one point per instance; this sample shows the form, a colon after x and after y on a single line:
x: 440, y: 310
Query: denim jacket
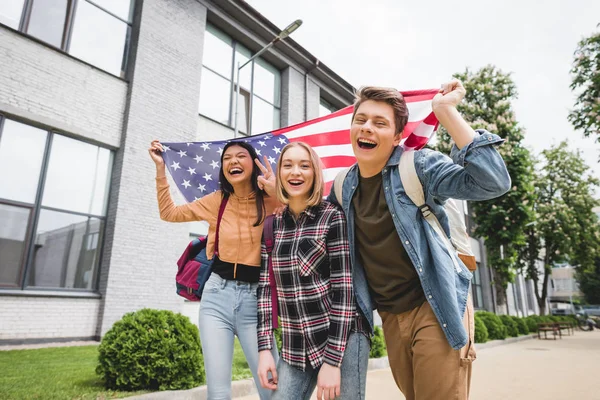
x: 476, y: 172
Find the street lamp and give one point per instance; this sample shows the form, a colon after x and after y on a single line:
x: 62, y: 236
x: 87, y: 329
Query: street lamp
x: 284, y: 33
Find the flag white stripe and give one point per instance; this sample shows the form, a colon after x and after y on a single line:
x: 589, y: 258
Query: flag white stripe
x: 417, y: 111
x: 424, y: 130
x: 334, y: 150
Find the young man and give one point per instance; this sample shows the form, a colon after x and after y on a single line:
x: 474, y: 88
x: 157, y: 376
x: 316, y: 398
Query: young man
x: 399, y: 266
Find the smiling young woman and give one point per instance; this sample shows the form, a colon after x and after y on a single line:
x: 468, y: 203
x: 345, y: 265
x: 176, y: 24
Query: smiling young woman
x: 324, y: 344
x: 228, y: 307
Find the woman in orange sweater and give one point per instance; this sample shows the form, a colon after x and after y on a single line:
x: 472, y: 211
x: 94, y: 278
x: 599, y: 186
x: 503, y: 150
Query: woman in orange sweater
x: 228, y: 307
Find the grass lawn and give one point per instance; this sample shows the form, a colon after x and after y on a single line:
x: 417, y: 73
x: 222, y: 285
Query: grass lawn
x: 68, y: 373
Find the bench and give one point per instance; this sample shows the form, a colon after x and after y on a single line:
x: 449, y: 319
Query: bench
x: 549, y: 327
x: 566, y: 325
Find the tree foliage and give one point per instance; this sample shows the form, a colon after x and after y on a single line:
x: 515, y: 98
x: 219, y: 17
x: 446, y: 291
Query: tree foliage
x: 586, y: 84
x: 501, y: 221
x: 565, y: 228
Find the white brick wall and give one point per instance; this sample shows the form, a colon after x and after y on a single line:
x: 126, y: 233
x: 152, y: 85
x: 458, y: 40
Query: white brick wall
x: 211, y: 130
x: 41, y: 84
x: 139, y: 264
x: 47, y: 317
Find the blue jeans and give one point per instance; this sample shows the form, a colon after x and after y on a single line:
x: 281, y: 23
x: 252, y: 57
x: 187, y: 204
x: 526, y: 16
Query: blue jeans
x: 295, y: 384
x: 228, y: 308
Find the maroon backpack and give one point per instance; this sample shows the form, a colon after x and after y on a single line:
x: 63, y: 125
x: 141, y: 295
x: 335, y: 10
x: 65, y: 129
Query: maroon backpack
x: 269, y: 242
x: 194, y: 266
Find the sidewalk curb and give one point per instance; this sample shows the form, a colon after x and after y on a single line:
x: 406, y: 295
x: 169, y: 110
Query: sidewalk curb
x: 246, y: 387
x: 240, y: 388
x: 496, y: 343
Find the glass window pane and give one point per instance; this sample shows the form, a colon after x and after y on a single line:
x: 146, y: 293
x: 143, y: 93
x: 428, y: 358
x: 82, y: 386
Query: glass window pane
x: 243, y: 110
x: 98, y: 38
x: 102, y: 182
x: 21, y: 155
x: 218, y: 51
x: 47, y: 21
x: 479, y: 297
x: 75, y: 171
x: 323, y: 111
x: 242, y: 55
x: 10, y: 13
x: 66, y: 251
x: 121, y: 8
x: 265, y: 117
x: 267, y: 81
x: 214, y: 96
x: 325, y: 108
x: 13, y: 230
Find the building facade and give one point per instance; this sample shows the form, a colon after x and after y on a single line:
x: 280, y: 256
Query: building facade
x: 85, y: 85
x: 82, y: 94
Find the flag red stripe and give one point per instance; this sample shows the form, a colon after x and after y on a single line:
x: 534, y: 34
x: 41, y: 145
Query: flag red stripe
x: 325, y: 138
x: 414, y: 141
x: 337, y: 161
x: 420, y: 97
x: 328, y: 187
x: 343, y: 111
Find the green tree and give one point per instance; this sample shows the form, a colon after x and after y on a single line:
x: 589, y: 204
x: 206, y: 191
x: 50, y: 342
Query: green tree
x: 589, y: 282
x: 565, y: 228
x: 501, y: 221
x: 586, y: 83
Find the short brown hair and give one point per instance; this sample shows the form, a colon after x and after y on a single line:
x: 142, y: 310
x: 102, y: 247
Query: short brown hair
x: 387, y: 95
x: 318, y: 189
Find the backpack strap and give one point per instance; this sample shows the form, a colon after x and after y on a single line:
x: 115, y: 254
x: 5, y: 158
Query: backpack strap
x: 269, y: 243
x: 219, y: 217
x: 414, y: 190
x: 338, y: 185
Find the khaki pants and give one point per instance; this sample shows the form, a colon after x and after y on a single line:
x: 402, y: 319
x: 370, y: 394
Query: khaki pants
x: 424, y: 365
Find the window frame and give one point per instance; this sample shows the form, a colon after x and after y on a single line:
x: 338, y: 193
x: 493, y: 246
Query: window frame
x: 27, y: 258
x: 475, y: 285
x: 233, y: 84
x: 67, y: 31
x: 323, y: 102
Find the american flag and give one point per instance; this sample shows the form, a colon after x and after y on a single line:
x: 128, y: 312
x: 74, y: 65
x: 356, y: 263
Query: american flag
x: 194, y: 166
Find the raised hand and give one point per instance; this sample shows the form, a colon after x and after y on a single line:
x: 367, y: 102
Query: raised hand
x: 155, y: 151
x: 450, y: 95
x: 267, y: 180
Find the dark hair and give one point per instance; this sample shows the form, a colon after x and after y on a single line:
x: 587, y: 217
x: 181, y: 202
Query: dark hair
x: 227, y: 188
x: 387, y: 95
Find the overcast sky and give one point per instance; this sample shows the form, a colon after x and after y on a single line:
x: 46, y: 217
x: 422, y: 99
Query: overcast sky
x: 420, y: 44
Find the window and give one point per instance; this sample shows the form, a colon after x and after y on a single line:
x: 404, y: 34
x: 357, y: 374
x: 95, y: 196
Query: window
x: 260, y: 84
x: 53, y: 200
x: 470, y: 219
x: 326, y: 108
x: 530, y: 295
x: 95, y: 31
x: 10, y: 13
x: 477, y: 289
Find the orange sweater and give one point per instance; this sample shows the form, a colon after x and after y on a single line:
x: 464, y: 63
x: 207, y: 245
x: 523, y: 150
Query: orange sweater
x: 239, y: 240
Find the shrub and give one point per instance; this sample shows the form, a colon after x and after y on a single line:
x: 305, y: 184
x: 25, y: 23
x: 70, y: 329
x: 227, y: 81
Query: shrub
x: 511, y: 326
x: 152, y: 350
x: 495, y: 327
x: 278, y: 339
x: 532, y: 321
x: 378, y: 349
x: 481, y: 332
x: 521, y: 325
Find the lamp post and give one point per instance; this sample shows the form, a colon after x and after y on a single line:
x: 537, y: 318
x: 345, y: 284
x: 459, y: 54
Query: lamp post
x: 284, y: 33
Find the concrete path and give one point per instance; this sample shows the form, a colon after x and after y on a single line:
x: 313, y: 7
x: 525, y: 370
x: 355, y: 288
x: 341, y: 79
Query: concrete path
x: 532, y: 369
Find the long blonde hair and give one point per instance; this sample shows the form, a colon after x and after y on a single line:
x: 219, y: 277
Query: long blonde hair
x: 318, y: 189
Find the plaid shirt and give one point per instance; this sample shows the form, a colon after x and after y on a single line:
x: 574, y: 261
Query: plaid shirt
x: 311, y: 264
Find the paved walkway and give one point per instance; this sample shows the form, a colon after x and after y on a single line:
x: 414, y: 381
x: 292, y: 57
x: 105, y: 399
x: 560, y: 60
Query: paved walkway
x: 532, y: 369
